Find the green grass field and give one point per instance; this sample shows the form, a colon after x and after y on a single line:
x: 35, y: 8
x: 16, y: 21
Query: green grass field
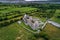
x: 15, y: 30
x: 56, y: 16
x: 56, y: 20
x: 52, y: 31
x: 9, y: 32
x: 22, y: 9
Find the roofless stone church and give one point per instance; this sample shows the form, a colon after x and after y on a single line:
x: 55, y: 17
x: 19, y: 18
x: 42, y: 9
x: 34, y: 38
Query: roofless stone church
x: 32, y: 22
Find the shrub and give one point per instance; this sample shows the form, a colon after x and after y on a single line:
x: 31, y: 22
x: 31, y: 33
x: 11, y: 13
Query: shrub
x: 44, y: 35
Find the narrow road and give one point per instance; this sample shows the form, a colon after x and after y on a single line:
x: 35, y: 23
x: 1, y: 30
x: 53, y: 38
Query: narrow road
x: 44, y: 25
x: 51, y: 22
x: 54, y: 23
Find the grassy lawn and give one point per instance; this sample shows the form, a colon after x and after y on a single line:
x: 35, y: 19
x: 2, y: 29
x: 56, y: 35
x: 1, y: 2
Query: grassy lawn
x: 9, y: 32
x: 57, y: 11
x: 13, y: 31
x: 43, y: 19
x: 23, y: 24
x: 56, y: 19
x: 40, y: 18
x: 53, y: 32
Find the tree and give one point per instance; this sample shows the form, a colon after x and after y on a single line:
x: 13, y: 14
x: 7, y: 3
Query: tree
x: 50, y: 13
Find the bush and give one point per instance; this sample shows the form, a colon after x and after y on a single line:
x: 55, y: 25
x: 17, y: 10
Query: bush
x: 58, y: 16
x: 44, y: 35
x: 37, y: 35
